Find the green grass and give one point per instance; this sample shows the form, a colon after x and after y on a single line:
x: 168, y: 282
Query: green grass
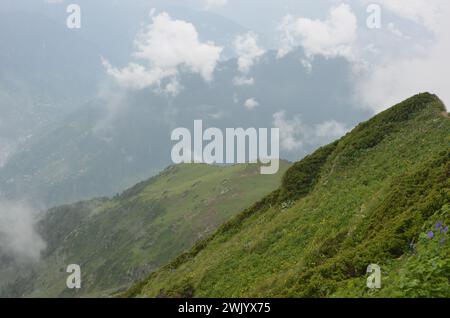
x: 120, y: 240
x: 368, y: 198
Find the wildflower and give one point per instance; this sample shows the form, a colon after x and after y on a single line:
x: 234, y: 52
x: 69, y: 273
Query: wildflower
x: 438, y: 225
x: 445, y: 229
x: 431, y: 234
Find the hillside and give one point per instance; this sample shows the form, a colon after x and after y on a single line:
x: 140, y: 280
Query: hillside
x: 372, y: 197
x: 120, y: 240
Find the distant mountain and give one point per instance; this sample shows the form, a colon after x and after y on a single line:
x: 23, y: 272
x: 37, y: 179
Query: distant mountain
x: 113, y: 142
x: 380, y: 195
x: 53, y: 141
x: 68, y: 134
x: 46, y: 72
x: 120, y: 240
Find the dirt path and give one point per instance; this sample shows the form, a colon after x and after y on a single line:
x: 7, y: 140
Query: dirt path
x: 445, y: 114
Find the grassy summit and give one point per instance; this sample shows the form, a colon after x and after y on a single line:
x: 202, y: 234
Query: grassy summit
x: 372, y: 197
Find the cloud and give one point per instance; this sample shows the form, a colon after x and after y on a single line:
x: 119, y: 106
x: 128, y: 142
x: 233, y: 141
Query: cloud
x: 165, y: 48
x: 330, y: 38
x: 136, y: 76
x: 112, y: 101
x: 290, y: 131
x: 18, y: 236
x: 426, y: 12
x: 295, y: 135
x: 248, y: 52
x: 251, y: 103
x: 392, y: 80
x: 215, y: 3
x: 393, y: 29
x: 330, y: 130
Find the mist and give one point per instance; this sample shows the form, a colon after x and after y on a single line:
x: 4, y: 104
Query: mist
x: 18, y: 236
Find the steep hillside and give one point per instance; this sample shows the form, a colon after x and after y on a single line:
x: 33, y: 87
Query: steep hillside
x: 380, y: 195
x: 117, y: 241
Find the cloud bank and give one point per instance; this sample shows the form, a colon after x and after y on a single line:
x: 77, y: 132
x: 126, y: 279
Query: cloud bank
x: 397, y: 68
x: 392, y: 80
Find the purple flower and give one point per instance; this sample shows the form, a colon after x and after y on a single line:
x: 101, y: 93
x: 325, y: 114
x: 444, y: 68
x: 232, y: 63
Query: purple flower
x: 438, y: 225
x: 431, y: 234
x: 444, y: 230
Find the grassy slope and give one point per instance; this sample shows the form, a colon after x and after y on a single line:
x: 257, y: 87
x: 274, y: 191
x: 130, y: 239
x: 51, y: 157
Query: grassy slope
x: 367, y: 198
x: 119, y: 240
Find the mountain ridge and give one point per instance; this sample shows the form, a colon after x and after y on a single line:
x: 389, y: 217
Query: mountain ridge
x: 410, y: 183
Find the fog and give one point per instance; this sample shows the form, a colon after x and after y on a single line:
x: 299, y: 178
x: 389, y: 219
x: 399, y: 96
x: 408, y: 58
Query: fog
x: 18, y: 236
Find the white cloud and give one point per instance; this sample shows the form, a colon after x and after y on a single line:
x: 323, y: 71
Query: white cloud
x: 251, y: 104
x: 248, y: 51
x: 330, y: 38
x: 393, y: 80
x: 295, y: 134
x: 166, y: 47
x: 18, y: 236
x: 136, y: 76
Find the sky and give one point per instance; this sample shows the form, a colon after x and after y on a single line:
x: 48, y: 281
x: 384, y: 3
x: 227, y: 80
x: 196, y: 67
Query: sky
x: 413, y: 39
x: 404, y: 55
x: 396, y: 48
